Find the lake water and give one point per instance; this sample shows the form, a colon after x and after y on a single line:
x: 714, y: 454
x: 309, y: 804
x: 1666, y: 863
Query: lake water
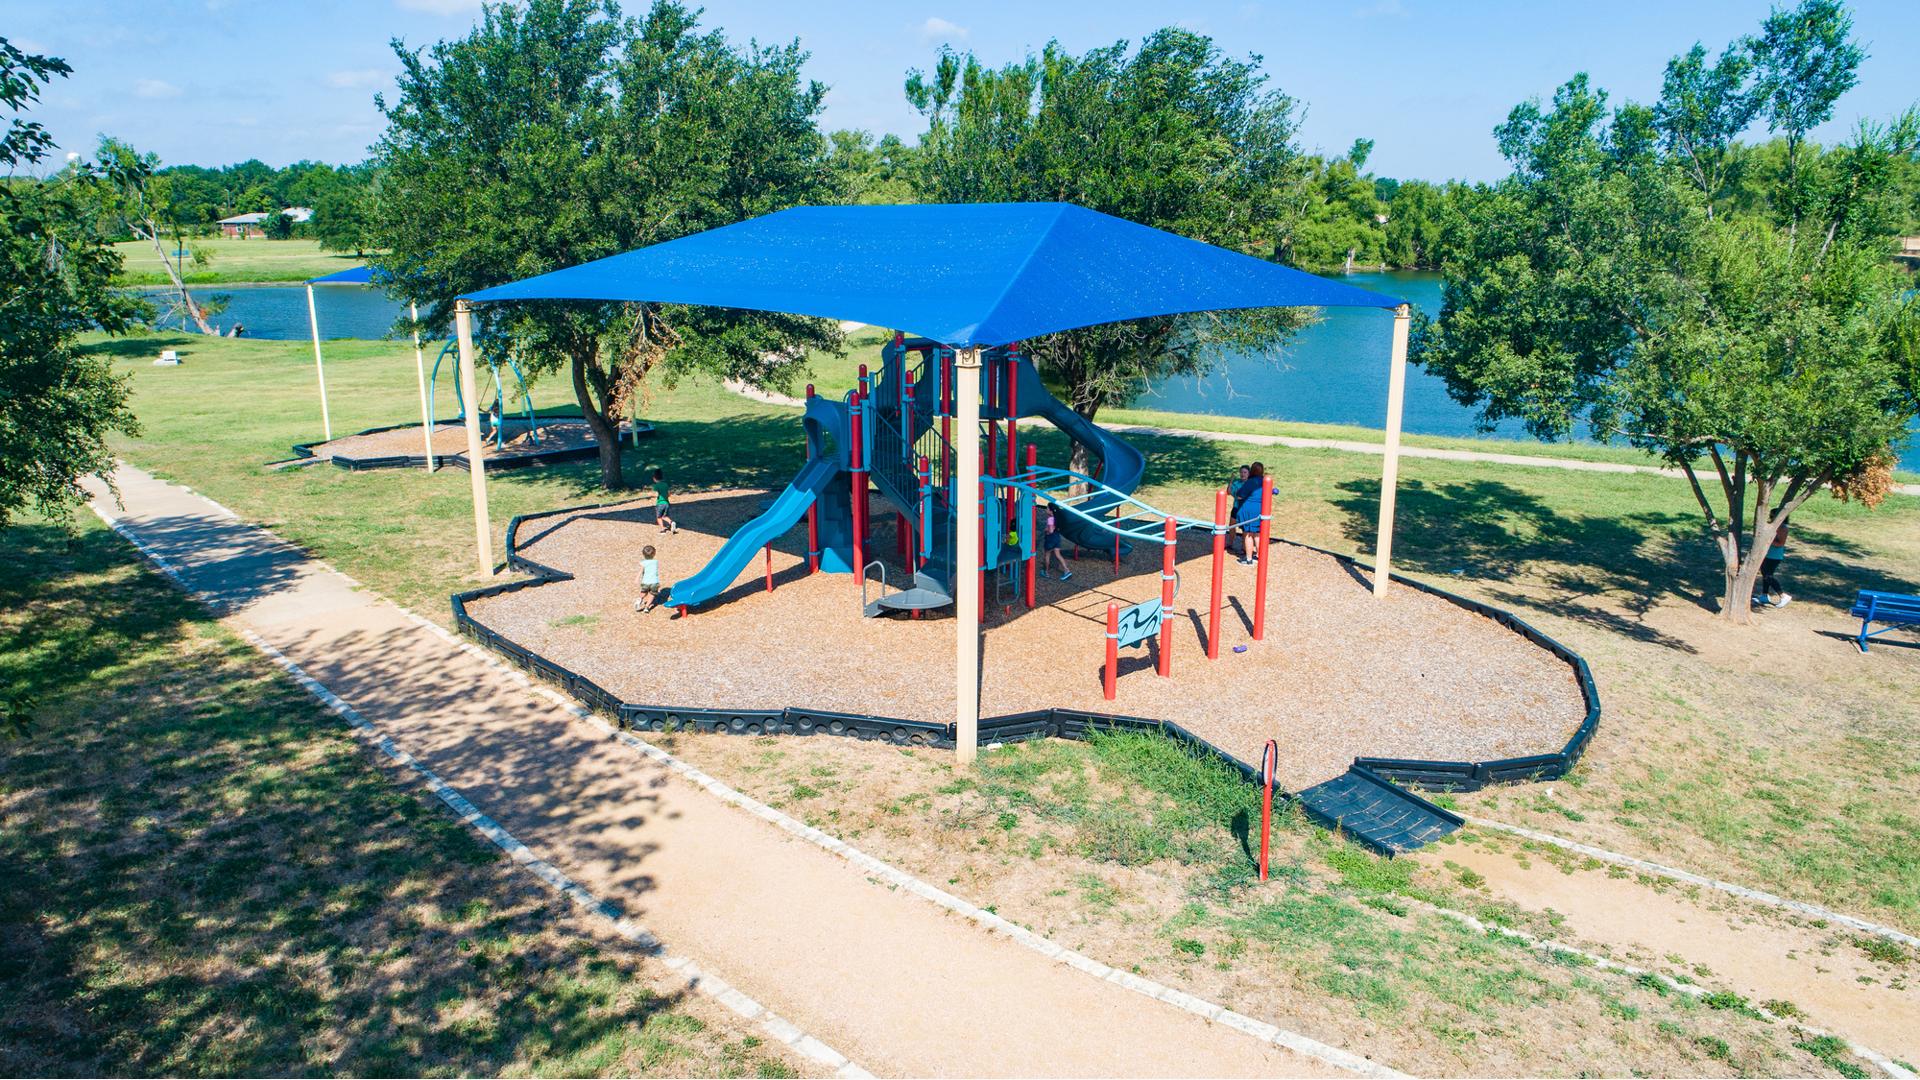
x: 1335, y: 372
x: 279, y: 312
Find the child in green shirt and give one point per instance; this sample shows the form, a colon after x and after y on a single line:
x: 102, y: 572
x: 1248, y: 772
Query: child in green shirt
x: 662, y: 511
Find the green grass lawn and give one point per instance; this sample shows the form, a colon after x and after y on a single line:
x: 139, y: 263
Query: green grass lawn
x: 1774, y: 755
x: 203, y: 873
x: 234, y: 261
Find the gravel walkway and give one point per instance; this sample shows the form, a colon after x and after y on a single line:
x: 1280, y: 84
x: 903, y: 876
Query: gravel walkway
x: 1340, y: 674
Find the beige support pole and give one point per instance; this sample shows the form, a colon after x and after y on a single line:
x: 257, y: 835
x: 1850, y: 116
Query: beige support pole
x: 966, y: 575
x: 313, y: 323
x: 1390, y: 470
x: 420, y: 374
x: 476, y: 460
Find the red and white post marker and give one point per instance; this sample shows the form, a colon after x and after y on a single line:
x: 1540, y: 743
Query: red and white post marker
x: 1032, y: 525
x: 1113, y: 649
x: 1269, y: 763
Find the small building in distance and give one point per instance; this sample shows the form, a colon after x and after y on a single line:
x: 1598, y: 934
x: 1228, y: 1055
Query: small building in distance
x: 1910, y: 247
x: 246, y: 226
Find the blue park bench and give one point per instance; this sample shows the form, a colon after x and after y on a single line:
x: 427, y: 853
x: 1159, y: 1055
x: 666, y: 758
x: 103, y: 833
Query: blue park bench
x: 1893, y: 609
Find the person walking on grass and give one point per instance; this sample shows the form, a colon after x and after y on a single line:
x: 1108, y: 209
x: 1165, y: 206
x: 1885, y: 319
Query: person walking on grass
x: 1771, y: 591
x: 1050, y: 553
x: 649, y: 580
x: 662, y: 506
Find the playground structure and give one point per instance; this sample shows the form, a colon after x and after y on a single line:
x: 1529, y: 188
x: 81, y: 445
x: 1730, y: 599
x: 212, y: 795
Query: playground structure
x: 493, y: 419
x: 886, y: 444
x: 893, y: 434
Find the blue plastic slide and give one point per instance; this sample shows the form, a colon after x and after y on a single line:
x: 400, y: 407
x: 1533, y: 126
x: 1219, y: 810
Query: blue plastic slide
x: 787, y: 511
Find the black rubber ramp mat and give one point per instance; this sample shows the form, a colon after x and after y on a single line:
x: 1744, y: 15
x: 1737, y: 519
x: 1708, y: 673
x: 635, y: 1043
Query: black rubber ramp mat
x: 1376, y: 813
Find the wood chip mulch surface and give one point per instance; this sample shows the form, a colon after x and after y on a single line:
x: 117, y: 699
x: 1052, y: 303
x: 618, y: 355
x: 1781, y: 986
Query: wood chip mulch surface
x: 450, y: 440
x: 1339, y: 675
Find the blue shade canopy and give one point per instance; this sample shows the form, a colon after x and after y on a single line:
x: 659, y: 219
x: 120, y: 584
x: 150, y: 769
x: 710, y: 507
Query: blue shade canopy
x: 965, y: 274
x: 353, y: 275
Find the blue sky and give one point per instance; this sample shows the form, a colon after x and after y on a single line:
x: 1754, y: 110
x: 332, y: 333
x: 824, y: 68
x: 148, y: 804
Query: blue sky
x: 217, y: 81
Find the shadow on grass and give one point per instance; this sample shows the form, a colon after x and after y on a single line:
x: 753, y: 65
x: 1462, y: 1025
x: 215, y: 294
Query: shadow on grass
x: 206, y: 874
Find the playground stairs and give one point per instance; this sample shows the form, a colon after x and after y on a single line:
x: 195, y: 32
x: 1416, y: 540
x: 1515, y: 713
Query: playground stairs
x: 1373, y: 811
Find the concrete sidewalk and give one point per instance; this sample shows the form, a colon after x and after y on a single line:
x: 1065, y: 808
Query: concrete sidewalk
x: 891, y: 981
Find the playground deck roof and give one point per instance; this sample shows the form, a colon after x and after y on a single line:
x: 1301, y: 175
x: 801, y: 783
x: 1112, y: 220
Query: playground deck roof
x: 352, y: 275
x: 962, y: 274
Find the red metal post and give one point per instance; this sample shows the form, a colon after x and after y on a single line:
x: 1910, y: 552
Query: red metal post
x: 1266, y: 548
x: 1166, y: 600
x: 1269, y: 764
x: 1116, y: 556
x: 769, y: 550
x: 921, y: 510
x: 1219, y: 570
x: 1033, y: 527
x: 1013, y: 414
x: 983, y: 536
x: 1113, y: 648
x: 902, y: 537
x: 944, y: 360
x: 813, y: 523
x: 859, y: 469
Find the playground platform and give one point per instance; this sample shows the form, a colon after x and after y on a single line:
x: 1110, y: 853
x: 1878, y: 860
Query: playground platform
x: 561, y: 438
x: 1340, y: 675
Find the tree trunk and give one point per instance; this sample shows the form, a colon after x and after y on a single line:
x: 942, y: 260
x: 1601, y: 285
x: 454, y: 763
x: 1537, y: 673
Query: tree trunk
x: 606, y: 432
x: 187, y: 302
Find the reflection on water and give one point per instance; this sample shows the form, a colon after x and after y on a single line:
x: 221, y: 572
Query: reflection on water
x: 279, y: 312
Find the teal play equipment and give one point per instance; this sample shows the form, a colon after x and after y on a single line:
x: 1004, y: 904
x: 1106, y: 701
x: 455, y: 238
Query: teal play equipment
x: 499, y: 407
x: 892, y: 435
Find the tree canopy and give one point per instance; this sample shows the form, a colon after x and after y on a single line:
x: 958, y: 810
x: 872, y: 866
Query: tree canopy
x: 565, y: 131
x: 1596, y: 284
x: 57, y: 404
x: 1172, y: 134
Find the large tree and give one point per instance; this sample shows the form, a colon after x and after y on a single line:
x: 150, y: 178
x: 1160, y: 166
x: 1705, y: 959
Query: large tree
x: 57, y: 404
x: 1767, y: 359
x: 128, y: 191
x: 1173, y: 134
x: 562, y: 132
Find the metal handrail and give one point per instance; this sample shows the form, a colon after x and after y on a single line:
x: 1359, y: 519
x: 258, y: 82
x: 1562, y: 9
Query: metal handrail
x: 863, y: 583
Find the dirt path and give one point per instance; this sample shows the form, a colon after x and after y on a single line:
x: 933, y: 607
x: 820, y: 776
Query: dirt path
x: 894, y: 983
x: 1713, y: 939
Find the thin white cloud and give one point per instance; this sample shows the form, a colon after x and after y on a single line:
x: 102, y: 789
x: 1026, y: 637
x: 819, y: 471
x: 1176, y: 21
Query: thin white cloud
x: 939, y: 29
x: 440, y: 7
x: 156, y: 89
x: 357, y: 78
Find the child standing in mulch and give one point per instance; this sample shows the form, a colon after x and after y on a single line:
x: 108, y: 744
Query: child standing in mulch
x: 1050, y: 554
x: 649, y: 580
x: 662, y: 510
x: 1246, y: 511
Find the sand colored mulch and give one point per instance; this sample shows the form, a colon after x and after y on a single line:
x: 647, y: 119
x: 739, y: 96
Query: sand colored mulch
x: 1340, y: 674
x: 450, y: 440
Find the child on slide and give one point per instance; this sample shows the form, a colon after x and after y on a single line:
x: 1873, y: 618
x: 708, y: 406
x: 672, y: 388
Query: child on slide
x: 649, y: 580
x: 662, y: 509
x: 1050, y: 549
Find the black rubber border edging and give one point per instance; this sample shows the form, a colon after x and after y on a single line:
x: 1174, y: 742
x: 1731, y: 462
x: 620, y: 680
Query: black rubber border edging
x: 1016, y: 727
x: 459, y: 460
